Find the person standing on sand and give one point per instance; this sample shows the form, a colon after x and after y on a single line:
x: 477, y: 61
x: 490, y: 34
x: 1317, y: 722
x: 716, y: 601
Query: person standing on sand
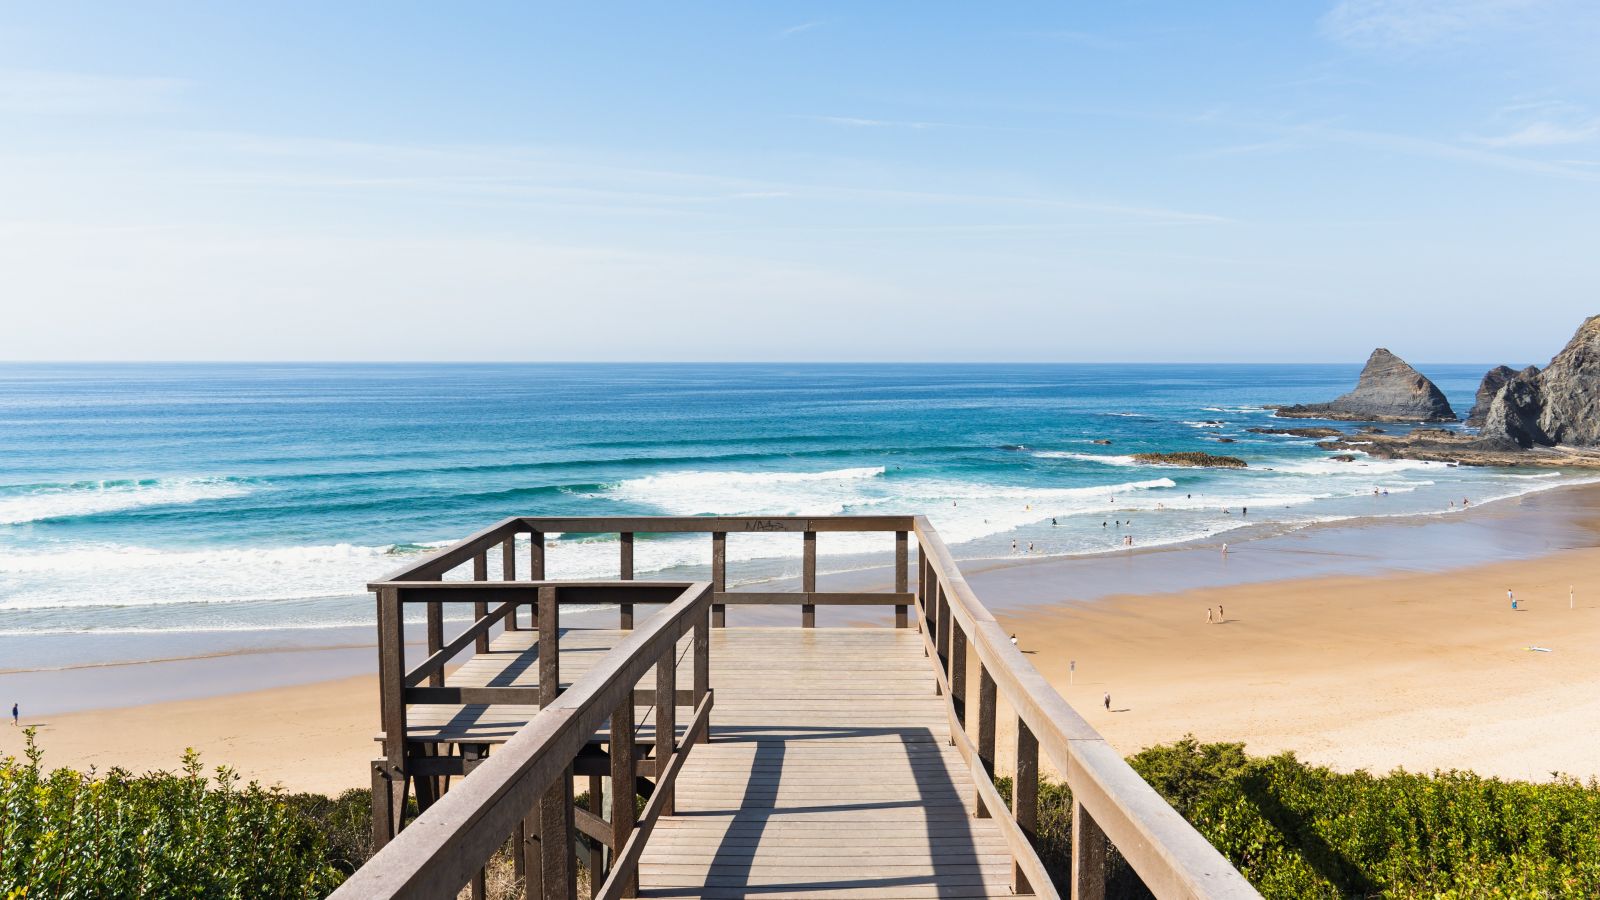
x: 14, y: 714
x: 1221, y: 616
x: 1209, y: 620
x: 1512, y: 597
x: 1108, y: 701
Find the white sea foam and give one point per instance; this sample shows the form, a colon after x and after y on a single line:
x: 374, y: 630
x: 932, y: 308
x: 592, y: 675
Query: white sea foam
x: 87, y: 498
x: 1103, y: 458
x: 747, y: 493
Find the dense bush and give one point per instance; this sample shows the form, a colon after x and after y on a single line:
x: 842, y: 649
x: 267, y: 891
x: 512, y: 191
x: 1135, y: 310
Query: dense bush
x: 70, y: 835
x: 1296, y: 830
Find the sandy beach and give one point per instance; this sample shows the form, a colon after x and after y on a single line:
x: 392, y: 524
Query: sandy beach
x: 1398, y: 666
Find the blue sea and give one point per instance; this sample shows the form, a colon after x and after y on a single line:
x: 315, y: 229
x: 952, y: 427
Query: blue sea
x: 192, y: 498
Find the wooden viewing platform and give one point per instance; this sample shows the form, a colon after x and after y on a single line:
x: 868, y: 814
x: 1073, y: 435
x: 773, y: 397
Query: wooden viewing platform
x: 804, y: 762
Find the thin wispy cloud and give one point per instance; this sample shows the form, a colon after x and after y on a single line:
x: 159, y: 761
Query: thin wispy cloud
x: 75, y: 93
x: 803, y: 27
x: 1544, y: 134
x: 1410, y: 24
x: 860, y: 122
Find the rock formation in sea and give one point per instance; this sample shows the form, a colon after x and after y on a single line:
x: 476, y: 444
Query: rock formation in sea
x: 1493, y: 381
x: 1535, y: 418
x: 1389, y: 390
x: 1558, y: 406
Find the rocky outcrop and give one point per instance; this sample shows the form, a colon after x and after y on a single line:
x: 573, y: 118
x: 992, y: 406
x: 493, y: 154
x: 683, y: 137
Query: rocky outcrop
x: 1492, y: 382
x: 1559, y: 406
x: 1191, y: 458
x: 1389, y: 390
x: 1311, y: 432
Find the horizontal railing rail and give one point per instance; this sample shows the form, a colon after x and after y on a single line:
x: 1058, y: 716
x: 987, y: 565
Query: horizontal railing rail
x: 523, y: 792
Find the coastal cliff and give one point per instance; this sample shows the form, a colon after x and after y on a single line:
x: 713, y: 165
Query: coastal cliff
x: 1389, y: 390
x: 1548, y: 418
x: 1493, y: 381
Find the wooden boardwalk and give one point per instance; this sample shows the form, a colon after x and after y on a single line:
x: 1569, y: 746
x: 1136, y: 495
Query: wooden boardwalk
x: 829, y: 751
x: 770, y: 762
x: 830, y: 773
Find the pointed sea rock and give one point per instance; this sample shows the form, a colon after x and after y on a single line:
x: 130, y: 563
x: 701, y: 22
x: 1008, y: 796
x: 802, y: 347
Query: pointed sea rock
x: 1389, y: 390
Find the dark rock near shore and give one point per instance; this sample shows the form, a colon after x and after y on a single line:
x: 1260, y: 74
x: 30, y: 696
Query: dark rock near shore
x: 1370, y: 429
x: 1309, y: 432
x: 1492, y: 382
x: 1101, y: 441
x: 1559, y: 406
x: 1389, y: 390
x: 1192, y: 458
x: 1224, y: 440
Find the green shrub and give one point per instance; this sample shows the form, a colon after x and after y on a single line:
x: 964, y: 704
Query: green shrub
x: 1301, y: 831
x: 75, y: 836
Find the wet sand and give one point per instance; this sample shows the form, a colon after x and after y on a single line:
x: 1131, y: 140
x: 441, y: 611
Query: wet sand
x: 1375, y: 644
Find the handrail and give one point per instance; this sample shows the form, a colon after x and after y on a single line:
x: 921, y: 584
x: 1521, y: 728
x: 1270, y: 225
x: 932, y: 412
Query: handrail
x: 1167, y: 853
x: 445, y: 846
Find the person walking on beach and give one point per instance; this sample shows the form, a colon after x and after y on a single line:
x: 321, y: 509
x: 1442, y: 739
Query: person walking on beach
x: 1209, y: 620
x: 1512, y: 597
x: 15, y: 713
x: 1013, y: 638
x: 1108, y: 701
x: 1221, y: 616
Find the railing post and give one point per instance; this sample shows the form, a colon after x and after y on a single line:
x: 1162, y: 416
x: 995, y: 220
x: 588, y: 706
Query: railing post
x: 941, y: 639
x: 625, y: 610
x: 508, y: 572
x: 719, y: 576
x: 987, y: 692
x: 392, y: 694
x: 549, y: 649
x: 702, y: 666
x: 957, y: 673
x: 480, y: 608
x: 808, y: 580
x: 1025, y: 799
x: 557, y: 862
x: 902, y: 554
x: 435, y: 639
x: 535, y: 567
x: 1088, y: 856
x: 666, y: 721
x: 922, y: 589
x: 624, y: 776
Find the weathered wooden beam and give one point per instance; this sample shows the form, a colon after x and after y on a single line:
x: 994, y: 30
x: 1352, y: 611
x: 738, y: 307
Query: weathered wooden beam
x: 1025, y: 801
x: 572, y: 592
x: 508, y: 572
x: 625, y: 610
x: 1088, y: 856
x: 549, y: 646
x: 811, y: 598
x: 480, y: 607
x: 719, y: 576
x: 666, y: 720
x: 901, y: 561
x: 716, y: 524
x: 808, y: 579
x: 435, y: 628
x: 624, y: 770
x: 986, y: 721
x: 557, y: 863
x: 958, y: 673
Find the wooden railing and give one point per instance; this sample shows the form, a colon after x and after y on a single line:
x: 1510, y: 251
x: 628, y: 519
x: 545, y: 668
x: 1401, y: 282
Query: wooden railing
x: 523, y: 792
x: 1110, y: 801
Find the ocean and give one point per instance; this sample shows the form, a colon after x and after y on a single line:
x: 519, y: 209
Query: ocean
x: 140, y: 498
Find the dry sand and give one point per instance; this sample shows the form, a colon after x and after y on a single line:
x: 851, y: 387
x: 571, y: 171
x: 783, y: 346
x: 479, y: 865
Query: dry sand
x: 1426, y: 671
x: 1417, y: 670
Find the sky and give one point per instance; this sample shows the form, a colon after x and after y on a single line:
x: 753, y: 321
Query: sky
x: 1116, y: 181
